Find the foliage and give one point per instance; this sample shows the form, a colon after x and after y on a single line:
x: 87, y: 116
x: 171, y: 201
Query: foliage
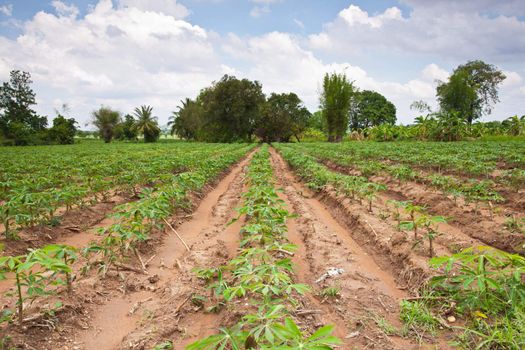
x: 63, y: 130
x: 187, y: 122
x: 485, y: 286
x: 282, y: 117
x: 146, y: 124
x: 126, y: 130
x: 472, y: 89
x: 370, y: 108
x: 31, y: 270
x: 19, y: 123
x: 106, y: 120
x: 335, y: 104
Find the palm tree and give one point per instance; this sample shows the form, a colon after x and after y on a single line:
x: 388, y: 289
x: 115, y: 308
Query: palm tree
x: 106, y: 120
x: 146, y: 124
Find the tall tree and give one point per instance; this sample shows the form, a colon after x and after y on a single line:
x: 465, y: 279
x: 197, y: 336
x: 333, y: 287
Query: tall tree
x: 471, y: 90
x: 187, y: 121
x: 283, y: 116
x: 370, y: 108
x: 18, y: 121
x: 146, y: 123
x: 231, y: 109
x: 335, y: 103
x: 106, y: 120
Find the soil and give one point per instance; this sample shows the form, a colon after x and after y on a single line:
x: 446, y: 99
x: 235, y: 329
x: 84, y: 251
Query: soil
x: 483, y: 226
x: 129, y: 310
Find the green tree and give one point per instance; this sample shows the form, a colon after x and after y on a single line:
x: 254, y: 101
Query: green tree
x: 19, y: 123
x: 231, y: 109
x: 317, y: 122
x: 282, y: 117
x: 335, y: 104
x: 106, y: 120
x: 63, y: 130
x: 187, y: 121
x: 471, y: 90
x: 127, y: 130
x: 370, y: 108
x: 146, y: 123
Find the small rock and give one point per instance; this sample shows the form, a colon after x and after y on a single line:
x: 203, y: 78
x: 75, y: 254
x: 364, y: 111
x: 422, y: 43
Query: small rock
x: 451, y: 319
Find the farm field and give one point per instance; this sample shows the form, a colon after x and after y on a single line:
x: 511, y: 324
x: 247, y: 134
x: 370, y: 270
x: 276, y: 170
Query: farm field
x: 182, y: 245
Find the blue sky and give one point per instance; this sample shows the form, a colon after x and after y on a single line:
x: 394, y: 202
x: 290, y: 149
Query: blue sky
x: 124, y: 53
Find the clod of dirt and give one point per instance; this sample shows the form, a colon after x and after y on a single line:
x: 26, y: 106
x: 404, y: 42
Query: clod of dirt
x: 153, y: 279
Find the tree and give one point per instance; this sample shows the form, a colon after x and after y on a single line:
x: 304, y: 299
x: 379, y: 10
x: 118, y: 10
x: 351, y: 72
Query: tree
x: 126, y: 129
x: 335, y: 103
x: 106, y: 120
x: 146, y: 123
x: 63, y: 130
x: 18, y: 121
x: 471, y: 90
x: 231, y: 109
x: 187, y: 122
x: 283, y: 116
x: 370, y: 108
x: 317, y: 122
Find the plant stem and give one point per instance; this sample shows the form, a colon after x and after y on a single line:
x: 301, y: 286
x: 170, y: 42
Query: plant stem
x: 20, y: 300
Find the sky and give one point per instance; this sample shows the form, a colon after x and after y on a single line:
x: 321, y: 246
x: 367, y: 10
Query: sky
x: 126, y: 53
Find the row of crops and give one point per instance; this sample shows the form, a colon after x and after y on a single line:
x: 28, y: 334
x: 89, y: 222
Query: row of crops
x: 482, y: 285
x: 499, y: 163
x: 369, y: 159
x: 31, y: 192
x: 46, y: 270
x: 260, y: 279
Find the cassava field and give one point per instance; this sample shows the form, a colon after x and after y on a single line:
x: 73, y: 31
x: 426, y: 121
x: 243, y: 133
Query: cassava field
x: 178, y: 245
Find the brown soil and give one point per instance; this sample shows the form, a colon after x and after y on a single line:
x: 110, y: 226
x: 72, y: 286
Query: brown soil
x: 467, y: 225
x: 74, y: 228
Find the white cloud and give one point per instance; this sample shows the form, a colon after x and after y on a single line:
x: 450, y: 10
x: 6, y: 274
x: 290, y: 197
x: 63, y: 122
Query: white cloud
x: 353, y: 15
x: 258, y: 11
x: 433, y: 72
x: 7, y: 10
x: 65, y: 10
x: 262, y: 7
x: 168, y: 7
x: 512, y: 79
x: 449, y: 32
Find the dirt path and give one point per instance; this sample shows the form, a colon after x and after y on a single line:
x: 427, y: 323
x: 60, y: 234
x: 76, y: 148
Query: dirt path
x: 161, y: 308
x: 367, y: 296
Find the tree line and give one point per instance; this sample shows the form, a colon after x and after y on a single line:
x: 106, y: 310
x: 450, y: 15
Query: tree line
x: 237, y: 110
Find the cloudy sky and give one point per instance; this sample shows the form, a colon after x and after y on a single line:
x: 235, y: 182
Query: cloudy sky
x: 124, y: 53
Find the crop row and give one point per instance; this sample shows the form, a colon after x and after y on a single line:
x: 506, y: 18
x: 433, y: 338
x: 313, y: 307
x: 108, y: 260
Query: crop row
x: 471, y: 190
x: 483, y: 286
x: 261, y: 277
x: 358, y: 188
x: 39, y: 272
x: 462, y: 158
x: 30, y: 205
